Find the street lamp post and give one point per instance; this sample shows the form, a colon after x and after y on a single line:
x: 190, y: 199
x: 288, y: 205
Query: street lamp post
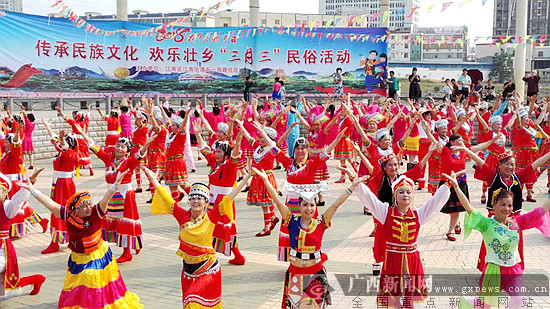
x: 122, y: 10
x: 519, y: 53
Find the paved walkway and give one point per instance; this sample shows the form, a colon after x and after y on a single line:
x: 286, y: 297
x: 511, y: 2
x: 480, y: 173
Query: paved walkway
x: 155, y: 273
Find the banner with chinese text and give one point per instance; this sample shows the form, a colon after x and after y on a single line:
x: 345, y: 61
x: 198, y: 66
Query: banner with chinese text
x: 39, y: 54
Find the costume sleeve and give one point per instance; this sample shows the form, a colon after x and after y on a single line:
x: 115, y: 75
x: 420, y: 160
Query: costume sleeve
x: 12, y: 207
x: 100, y: 213
x: 532, y: 219
x: 208, y: 153
x: 414, y: 173
x: 378, y: 209
x: 55, y: 142
x: 163, y: 203
x: 433, y: 206
x: 288, y: 219
x: 485, y: 173
x: 527, y: 175
x: 224, y: 208
x: 475, y: 221
x: 284, y: 159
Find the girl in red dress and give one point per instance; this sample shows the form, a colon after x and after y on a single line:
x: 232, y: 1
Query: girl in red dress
x: 176, y: 169
x: 526, y: 151
x: 113, y: 127
x: 64, y: 165
x: 463, y: 126
x: 85, y: 161
x: 156, y: 157
x: 344, y: 149
x: 121, y: 224
x: 265, y: 153
x: 222, y: 179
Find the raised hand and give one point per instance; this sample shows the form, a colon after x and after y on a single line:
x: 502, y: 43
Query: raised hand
x: 119, y: 177
x: 259, y: 173
x: 34, y: 175
x: 197, y: 126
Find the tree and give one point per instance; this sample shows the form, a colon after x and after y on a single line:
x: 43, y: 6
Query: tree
x: 504, y: 67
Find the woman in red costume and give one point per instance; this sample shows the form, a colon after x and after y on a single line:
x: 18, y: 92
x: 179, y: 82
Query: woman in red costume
x: 176, y: 168
x: 402, y: 257
x: 306, y: 278
x: 11, y: 164
x: 222, y: 179
x: 83, y: 152
x: 121, y: 224
x: 265, y: 153
x: 139, y: 137
x: 156, y: 157
x: 201, y: 278
x: 300, y: 177
x: 526, y: 152
x: 113, y: 127
x: 463, y: 126
x: 9, y: 270
x: 64, y: 165
x: 344, y: 149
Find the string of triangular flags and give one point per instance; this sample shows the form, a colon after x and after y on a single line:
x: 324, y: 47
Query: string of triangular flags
x: 69, y: 13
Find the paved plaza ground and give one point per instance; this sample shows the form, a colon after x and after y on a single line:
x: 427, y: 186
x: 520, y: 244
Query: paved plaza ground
x: 154, y: 275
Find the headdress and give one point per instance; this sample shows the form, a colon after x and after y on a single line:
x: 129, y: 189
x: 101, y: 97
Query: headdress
x: 494, y: 120
x: 199, y: 190
x: 320, y: 119
x: 441, y: 124
x: 177, y: 121
x: 301, y: 141
x: 126, y: 142
x: 484, y: 105
x: 73, y: 206
x: 523, y: 112
x: 380, y: 134
x: 460, y: 112
x: 505, y: 155
x: 272, y: 133
x: 71, y: 140
x: 224, y: 146
x: 223, y: 127
x: 402, y: 181
x: 386, y: 158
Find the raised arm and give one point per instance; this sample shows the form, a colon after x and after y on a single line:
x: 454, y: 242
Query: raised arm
x: 48, y: 127
x: 357, y: 125
x: 412, y: 123
x: 540, y: 161
x: 283, y: 137
x: 84, y: 135
x: 260, y: 129
x: 283, y: 209
x: 301, y: 119
x: 332, y: 145
x: 43, y: 199
x: 364, y: 159
x: 479, y: 162
x: 100, y: 113
x: 243, y: 129
x: 198, y: 130
x: 204, y: 121
x: 479, y: 147
x: 233, y: 194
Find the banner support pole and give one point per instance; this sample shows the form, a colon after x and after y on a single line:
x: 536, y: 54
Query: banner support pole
x: 108, y: 104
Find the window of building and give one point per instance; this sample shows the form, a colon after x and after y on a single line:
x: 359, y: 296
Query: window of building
x: 541, y: 54
x: 264, y: 21
x: 277, y: 21
x: 243, y: 20
x: 406, y: 55
x: 225, y: 24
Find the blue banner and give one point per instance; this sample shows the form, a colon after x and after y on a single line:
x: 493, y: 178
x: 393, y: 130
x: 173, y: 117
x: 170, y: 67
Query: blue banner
x: 42, y: 54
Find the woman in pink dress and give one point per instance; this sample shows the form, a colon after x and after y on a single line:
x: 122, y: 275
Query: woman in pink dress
x: 125, y: 120
x: 28, y: 147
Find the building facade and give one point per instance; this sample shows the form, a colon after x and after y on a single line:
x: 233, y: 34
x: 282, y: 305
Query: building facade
x: 538, y: 17
x: 398, y: 20
x: 142, y: 16
x: 231, y: 18
x: 11, y: 5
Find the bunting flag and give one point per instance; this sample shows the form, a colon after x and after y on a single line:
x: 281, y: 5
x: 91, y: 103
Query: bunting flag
x: 446, y: 5
x: 412, y: 12
x: 430, y: 7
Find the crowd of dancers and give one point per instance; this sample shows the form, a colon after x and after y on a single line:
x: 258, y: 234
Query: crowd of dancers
x: 242, y: 144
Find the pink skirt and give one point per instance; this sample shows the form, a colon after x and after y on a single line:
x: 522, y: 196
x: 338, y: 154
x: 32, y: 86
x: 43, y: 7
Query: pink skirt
x: 28, y: 146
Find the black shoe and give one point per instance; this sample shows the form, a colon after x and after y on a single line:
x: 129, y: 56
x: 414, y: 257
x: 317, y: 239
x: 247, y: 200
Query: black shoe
x: 193, y: 170
x: 321, y: 204
x: 245, y: 189
x: 148, y: 189
x: 280, y: 194
x: 239, y: 179
x: 149, y: 201
x: 277, y: 167
x: 474, y: 166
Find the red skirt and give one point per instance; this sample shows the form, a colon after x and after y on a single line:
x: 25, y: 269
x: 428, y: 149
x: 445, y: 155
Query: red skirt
x: 246, y: 148
x: 83, y: 153
x: 321, y: 174
x: 157, y: 161
x: 111, y: 139
x: 121, y: 224
x: 483, y: 251
x: 545, y: 147
x: 224, y: 237
x: 203, y: 288
x: 344, y: 149
x: 525, y: 156
x: 61, y: 191
x: 394, y: 284
x: 257, y: 194
x: 176, y: 171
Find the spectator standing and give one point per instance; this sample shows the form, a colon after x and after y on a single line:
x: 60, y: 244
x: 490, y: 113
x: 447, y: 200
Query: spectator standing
x: 532, y: 80
x: 247, y: 85
x: 464, y: 84
x: 393, y: 88
x: 490, y: 93
x: 415, y: 92
x: 509, y: 88
x: 447, y: 90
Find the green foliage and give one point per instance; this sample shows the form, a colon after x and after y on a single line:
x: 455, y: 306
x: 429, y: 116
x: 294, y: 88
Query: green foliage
x: 504, y: 67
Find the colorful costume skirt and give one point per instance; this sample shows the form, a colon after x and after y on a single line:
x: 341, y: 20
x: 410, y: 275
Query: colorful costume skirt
x: 176, y: 171
x: 412, y: 145
x: 22, y: 223
x: 434, y: 172
x: 344, y: 149
x: 201, y: 285
x: 121, y: 224
x: 321, y: 174
x: 84, y: 158
x: 28, y: 146
x: 395, y: 284
x: 157, y: 161
x: 94, y: 281
x: 257, y: 194
x: 62, y: 189
x: 525, y: 156
x: 306, y: 285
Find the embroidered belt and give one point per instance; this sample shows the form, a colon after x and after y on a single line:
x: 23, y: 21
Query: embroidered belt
x: 179, y: 155
x: 401, y: 248
x: 4, y: 234
x: 112, y: 133
x: 305, y: 256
